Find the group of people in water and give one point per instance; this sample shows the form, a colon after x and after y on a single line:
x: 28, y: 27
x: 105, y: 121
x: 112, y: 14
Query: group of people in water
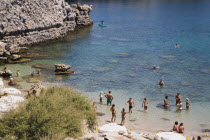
x: 131, y: 104
x: 12, y: 82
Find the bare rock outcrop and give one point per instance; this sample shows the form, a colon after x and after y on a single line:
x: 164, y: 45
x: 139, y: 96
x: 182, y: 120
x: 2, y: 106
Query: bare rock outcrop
x: 26, y: 22
x: 35, y: 90
x: 61, y: 69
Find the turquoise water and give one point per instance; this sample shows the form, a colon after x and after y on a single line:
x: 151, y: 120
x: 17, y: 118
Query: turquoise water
x: 119, y: 57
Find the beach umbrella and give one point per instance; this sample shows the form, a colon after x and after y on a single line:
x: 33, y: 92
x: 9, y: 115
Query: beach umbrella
x: 169, y: 136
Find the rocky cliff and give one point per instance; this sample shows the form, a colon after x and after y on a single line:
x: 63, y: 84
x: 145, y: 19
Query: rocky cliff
x: 26, y: 22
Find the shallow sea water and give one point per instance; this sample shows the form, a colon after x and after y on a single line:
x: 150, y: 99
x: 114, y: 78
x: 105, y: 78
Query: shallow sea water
x: 140, y: 34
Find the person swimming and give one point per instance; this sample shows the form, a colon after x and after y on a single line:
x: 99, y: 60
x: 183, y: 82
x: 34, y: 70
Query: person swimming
x: 161, y: 83
x: 156, y: 67
x: 177, y: 46
x: 113, y: 110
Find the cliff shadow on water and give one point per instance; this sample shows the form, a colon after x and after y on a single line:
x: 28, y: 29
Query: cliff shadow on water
x: 58, y: 48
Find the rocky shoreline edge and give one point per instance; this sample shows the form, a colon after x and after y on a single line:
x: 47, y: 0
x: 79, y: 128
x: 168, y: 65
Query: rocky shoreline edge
x: 28, y: 22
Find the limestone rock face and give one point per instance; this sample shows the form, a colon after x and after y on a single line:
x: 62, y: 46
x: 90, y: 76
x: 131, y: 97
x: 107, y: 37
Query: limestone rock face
x: 62, y: 69
x: 24, y: 22
x: 35, y: 90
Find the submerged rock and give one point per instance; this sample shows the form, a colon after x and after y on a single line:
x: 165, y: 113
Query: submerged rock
x: 165, y: 119
x: 34, y: 79
x: 21, y: 60
x: 65, y: 73
x: 123, y: 55
x: 184, y: 83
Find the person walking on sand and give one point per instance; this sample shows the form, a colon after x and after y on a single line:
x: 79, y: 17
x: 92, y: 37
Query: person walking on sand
x: 113, y: 110
x: 131, y: 104
x: 123, y: 116
x: 145, y: 104
x: 161, y: 83
x: 166, y: 104
x: 187, y: 103
x: 101, y: 96
x: 176, y: 127
x: 109, y: 98
x: 181, y: 128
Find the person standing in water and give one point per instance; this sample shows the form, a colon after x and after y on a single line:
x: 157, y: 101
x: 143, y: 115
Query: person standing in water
x: 18, y: 73
x: 123, y: 116
x: 39, y: 73
x: 178, y: 98
x: 187, y: 103
x: 180, y: 105
x: 181, y: 128
x: 161, y: 83
x: 109, y: 98
x: 131, y: 104
x: 113, y: 110
x: 101, y: 96
x: 145, y: 104
x: 166, y: 104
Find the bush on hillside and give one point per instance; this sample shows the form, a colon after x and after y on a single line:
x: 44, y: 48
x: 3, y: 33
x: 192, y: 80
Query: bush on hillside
x: 58, y: 113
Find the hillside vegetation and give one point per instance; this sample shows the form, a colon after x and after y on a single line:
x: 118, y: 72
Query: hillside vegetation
x: 58, y: 113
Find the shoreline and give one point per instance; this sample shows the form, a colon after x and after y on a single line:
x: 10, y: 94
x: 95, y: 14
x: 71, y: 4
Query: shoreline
x: 100, y: 119
x: 105, y: 109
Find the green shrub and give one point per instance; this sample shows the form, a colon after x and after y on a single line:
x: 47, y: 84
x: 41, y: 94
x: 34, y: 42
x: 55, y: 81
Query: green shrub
x: 58, y: 113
